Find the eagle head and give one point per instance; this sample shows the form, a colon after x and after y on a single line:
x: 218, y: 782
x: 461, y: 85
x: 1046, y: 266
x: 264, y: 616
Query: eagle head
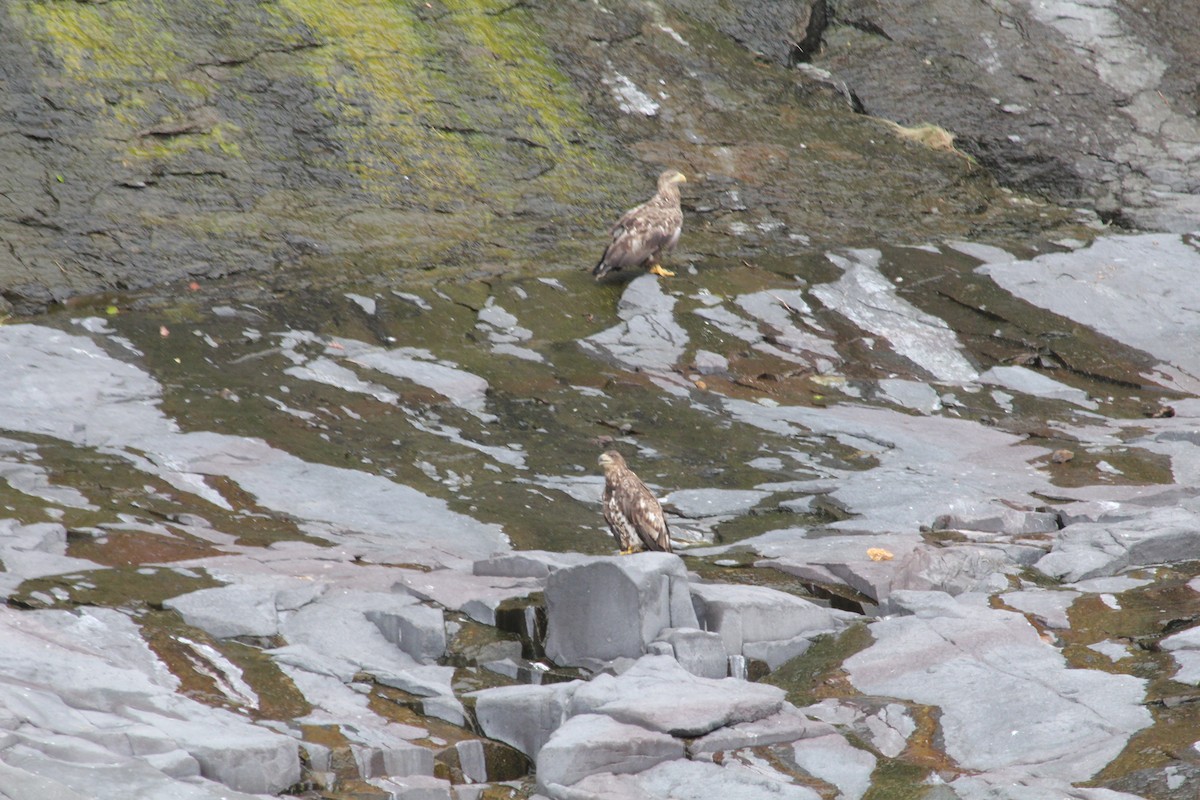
x: 669, y: 177
x: 611, y: 460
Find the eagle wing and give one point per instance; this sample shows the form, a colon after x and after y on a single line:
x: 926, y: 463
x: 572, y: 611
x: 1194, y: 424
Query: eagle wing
x: 631, y: 508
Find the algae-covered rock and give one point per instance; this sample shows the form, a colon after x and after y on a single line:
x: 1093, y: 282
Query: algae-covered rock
x: 159, y: 142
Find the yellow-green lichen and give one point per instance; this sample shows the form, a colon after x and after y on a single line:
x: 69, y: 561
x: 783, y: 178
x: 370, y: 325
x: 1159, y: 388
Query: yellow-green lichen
x: 126, y: 61
x: 373, y: 65
x: 442, y: 104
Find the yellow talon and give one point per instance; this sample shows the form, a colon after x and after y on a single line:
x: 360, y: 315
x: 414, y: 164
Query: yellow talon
x: 658, y: 270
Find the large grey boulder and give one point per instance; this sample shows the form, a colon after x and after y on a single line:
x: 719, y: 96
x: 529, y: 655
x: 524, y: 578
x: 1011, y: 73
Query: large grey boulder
x: 589, y: 744
x: 614, y: 607
x: 523, y: 716
x: 699, y: 652
x: 746, y: 614
x: 418, y: 630
x: 657, y: 693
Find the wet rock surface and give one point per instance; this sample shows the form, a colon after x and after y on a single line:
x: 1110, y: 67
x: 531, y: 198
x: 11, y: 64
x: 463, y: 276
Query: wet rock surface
x: 382, y: 571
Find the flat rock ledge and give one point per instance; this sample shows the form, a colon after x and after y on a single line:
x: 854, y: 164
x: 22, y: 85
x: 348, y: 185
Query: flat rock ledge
x: 646, y: 695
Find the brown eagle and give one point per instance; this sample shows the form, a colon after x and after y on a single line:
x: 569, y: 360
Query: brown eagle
x: 630, y: 508
x: 643, y: 234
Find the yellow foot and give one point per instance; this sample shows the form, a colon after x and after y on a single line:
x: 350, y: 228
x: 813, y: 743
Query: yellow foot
x: 658, y: 270
x: 628, y: 552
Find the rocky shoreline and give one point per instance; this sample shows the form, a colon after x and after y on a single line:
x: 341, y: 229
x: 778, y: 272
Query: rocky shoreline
x: 970, y: 622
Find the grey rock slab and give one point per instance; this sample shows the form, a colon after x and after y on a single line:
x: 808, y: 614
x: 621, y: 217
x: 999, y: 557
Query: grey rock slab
x: 415, y: 787
x: 588, y: 744
x: 1116, y: 651
x: 709, y: 363
x: 34, y: 551
x: 657, y: 693
x: 648, y: 338
x: 696, y: 503
x: 398, y: 759
x: 337, y: 636
x: 334, y: 702
x: 462, y: 388
x: 1184, y: 647
x: 1048, y: 605
x: 243, y: 757
x: 742, y: 614
x: 927, y: 466
x: 418, y: 630
x: 777, y: 653
x: 88, y: 683
x: 1126, y: 287
x: 229, y: 611
x: 1026, y: 381
x: 834, y: 760
x: 871, y: 301
x: 700, y: 652
x: 777, y: 311
x: 1042, y: 718
x: 434, y: 684
x: 1013, y: 785
x: 523, y: 716
x: 690, y: 780
x: 788, y: 725
x: 611, y: 607
x: 68, y: 387
x: 28, y: 774
x: 527, y: 563
x: 888, y: 730
x: 916, y: 395
x: 1097, y: 511
x: 999, y: 519
x: 477, y: 596
x: 954, y: 570
x: 1090, y: 550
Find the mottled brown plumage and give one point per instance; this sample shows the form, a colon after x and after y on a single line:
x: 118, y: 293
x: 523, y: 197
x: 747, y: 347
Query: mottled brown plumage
x: 630, y: 508
x: 644, y: 234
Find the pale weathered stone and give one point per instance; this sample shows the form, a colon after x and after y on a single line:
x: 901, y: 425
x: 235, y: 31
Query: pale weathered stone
x: 757, y: 614
x: 1041, y: 716
x: 523, y: 716
x: 228, y: 611
x: 593, y: 743
x: 657, y: 693
x: 612, y: 607
x: 788, y: 725
x: 834, y: 760
x: 699, y: 652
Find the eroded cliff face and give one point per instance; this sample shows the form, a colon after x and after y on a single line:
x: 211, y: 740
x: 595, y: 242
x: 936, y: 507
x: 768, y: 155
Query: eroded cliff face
x: 1088, y: 104
x: 151, y: 141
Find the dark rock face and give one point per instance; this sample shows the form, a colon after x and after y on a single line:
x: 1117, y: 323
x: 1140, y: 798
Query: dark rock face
x: 151, y: 144
x: 1078, y: 102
